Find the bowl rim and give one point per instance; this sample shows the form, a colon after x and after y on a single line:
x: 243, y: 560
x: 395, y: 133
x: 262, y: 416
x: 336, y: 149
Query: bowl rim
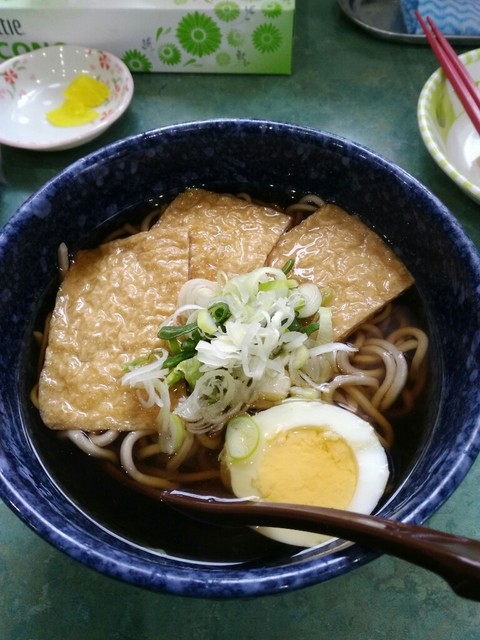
x: 424, y: 107
x: 72, y: 138
x: 235, y: 582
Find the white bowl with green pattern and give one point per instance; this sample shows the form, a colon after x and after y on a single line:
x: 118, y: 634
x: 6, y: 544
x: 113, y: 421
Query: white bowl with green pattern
x: 447, y: 131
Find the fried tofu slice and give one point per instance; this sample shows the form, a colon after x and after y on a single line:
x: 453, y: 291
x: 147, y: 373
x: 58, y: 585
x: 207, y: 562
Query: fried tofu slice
x: 335, y: 249
x: 108, y: 311
x: 225, y: 232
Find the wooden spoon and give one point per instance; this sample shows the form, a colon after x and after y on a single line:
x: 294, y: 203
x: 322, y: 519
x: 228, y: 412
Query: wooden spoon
x: 454, y: 558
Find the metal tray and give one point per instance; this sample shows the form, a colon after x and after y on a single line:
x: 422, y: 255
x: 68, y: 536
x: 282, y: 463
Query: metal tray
x: 384, y: 19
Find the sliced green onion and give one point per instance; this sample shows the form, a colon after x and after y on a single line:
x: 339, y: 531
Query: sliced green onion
x: 190, y: 344
x: 220, y: 312
x: 272, y: 285
x: 174, y: 376
x: 325, y: 328
x: 172, y: 361
x: 295, y: 325
x: 140, y: 361
x: 288, y: 266
x: 190, y: 370
x: 169, y: 333
x: 270, y: 318
x: 206, y: 323
x: 311, y: 300
x: 174, y: 346
x: 327, y: 296
x: 311, y: 328
x: 242, y: 437
x: 300, y: 357
x: 170, y: 438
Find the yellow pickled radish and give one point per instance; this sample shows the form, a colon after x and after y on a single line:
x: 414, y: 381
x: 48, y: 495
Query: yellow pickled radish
x: 87, y: 90
x: 71, y: 114
x: 81, y: 95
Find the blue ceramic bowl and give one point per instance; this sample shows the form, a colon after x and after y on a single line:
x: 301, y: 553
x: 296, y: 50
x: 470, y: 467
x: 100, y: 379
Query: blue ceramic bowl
x: 78, y: 513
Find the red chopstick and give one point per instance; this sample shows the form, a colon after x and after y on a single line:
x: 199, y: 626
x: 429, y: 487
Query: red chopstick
x: 462, y: 82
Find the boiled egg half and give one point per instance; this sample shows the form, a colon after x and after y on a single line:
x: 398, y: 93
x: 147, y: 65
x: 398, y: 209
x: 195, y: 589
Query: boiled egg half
x: 305, y: 452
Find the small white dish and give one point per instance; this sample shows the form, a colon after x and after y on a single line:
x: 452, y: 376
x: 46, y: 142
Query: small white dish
x: 447, y: 131
x: 33, y: 83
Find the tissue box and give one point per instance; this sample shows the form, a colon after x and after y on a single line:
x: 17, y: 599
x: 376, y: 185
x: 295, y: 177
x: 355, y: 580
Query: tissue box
x: 180, y: 36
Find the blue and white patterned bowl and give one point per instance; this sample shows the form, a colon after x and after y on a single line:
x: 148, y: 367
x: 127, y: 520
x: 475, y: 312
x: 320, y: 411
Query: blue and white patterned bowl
x: 260, y: 157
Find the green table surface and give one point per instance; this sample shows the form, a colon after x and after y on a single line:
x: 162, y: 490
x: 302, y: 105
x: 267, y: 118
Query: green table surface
x: 347, y: 82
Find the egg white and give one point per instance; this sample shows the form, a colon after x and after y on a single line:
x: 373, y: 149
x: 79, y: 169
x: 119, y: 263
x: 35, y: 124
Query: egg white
x: 370, y: 456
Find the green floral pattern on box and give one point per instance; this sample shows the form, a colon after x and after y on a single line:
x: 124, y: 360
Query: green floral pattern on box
x: 236, y: 36
x: 136, y: 60
x: 272, y: 9
x: 266, y: 38
x: 169, y: 54
x: 227, y: 11
x: 198, y: 34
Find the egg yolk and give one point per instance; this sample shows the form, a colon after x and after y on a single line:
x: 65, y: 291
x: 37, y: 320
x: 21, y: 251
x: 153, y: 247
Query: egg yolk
x: 308, y: 466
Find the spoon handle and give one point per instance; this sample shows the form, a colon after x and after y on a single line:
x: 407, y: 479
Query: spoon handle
x: 454, y: 558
